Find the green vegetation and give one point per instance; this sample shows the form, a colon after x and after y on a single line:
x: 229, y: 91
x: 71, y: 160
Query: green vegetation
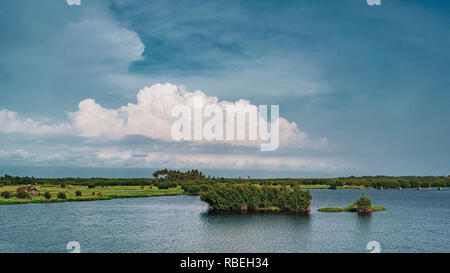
x: 23, y: 195
x: 5, y: 195
x: 170, y: 182
x: 332, y: 209
x: 172, y: 175
x: 61, y: 195
x: 363, y: 205
x: 196, y: 178
x: 245, y: 197
x: 47, y: 195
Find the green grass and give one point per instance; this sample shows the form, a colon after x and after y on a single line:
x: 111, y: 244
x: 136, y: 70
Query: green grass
x: 100, y: 193
x: 378, y: 208
x: 331, y: 209
x: 349, y: 209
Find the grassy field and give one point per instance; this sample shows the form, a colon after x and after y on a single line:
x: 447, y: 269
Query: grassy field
x: 87, y: 194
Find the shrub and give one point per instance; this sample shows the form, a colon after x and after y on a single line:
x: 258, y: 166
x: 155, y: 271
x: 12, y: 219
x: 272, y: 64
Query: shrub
x: 47, y: 195
x: 405, y: 184
x: 363, y: 204
x: 63, y: 186
x: 333, y: 186
x: 23, y: 195
x: 6, y: 194
x: 78, y: 193
x: 91, y: 186
x: 61, y: 195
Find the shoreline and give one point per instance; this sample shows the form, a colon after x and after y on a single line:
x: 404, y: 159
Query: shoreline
x: 83, y: 199
x: 87, y: 194
x: 169, y: 192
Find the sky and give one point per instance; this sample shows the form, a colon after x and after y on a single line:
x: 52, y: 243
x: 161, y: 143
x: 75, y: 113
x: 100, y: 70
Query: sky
x: 86, y: 90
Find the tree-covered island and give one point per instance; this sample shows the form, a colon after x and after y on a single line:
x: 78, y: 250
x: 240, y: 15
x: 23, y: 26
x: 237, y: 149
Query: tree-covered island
x: 245, y: 197
x: 362, y: 206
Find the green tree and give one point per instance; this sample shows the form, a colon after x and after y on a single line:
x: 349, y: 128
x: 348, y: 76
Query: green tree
x: 78, y: 193
x: 363, y: 204
x: 23, y: 194
x: 47, y: 195
x: 6, y: 194
x: 61, y: 195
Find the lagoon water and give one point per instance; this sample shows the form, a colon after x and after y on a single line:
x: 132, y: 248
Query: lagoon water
x: 417, y: 221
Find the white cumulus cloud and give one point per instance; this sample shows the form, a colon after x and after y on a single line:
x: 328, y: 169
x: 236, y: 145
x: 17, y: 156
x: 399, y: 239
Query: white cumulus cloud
x: 12, y: 122
x: 151, y: 116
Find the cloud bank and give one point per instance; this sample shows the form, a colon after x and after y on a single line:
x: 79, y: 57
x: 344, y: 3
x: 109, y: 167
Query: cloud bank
x: 150, y: 116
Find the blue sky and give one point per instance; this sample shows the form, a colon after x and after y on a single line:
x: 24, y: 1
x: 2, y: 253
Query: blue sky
x: 371, y: 80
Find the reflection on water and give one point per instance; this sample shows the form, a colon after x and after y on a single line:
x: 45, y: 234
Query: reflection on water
x: 416, y: 221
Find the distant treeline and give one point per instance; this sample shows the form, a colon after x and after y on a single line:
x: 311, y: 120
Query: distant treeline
x: 248, y: 197
x: 194, y: 181
x: 174, y: 175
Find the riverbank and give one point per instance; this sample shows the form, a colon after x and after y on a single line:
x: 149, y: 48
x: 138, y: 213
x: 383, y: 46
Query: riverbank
x: 86, y: 193
x: 120, y: 191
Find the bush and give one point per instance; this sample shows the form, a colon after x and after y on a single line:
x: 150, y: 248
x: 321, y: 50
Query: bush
x: 61, y: 195
x: 78, y: 193
x: 23, y: 195
x: 405, y: 184
x: 6, y: 194
x: 47, y: 195
x: 63, y: 186
x: 333, y: 186
x: 91, y: 186
x: 165, y: 185
x: 363, y: 204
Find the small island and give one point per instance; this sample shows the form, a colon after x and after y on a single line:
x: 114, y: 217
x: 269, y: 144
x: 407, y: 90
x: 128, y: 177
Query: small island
x: 363, y: 206
x: 245, y: 197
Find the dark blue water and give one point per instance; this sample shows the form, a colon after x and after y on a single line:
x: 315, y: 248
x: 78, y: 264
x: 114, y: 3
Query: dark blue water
x: 417, y: 221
